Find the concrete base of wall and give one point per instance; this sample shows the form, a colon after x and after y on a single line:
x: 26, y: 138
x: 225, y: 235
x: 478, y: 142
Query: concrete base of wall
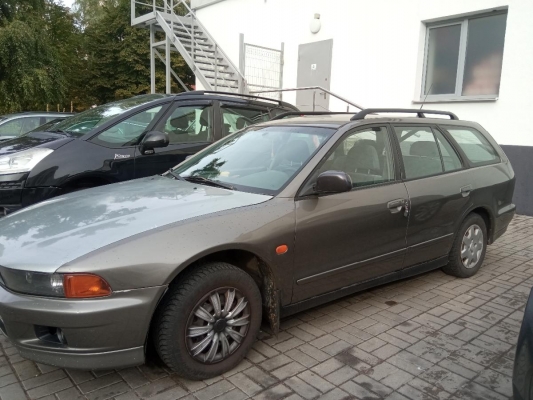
x: 522, y: 161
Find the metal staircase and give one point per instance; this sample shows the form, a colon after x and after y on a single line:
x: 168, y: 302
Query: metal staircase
x: 174, y: 27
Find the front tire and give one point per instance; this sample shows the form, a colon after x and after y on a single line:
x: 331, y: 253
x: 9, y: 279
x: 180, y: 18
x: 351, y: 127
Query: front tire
x: 469, y: 248
x: 208, y: 321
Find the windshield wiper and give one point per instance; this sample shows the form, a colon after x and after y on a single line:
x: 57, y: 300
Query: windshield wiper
x: 201, y: 179
x: 176, y: 176
x: 59, y: 131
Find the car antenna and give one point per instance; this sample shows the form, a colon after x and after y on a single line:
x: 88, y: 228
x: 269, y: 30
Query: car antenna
x: 427, y: 93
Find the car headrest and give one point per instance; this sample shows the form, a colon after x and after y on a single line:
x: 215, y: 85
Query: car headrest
x: 424, y: 149
x: 363, y: 156
x: 296, y: 151
x: 226, y: 128
x: 241, y: 123
x: 204, y: 117
x: 180, y: 122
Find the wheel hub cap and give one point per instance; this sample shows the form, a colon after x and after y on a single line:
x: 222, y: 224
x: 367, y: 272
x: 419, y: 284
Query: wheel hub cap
x: 217, y: 325
x: 472, y: 246
x: 220, y: 325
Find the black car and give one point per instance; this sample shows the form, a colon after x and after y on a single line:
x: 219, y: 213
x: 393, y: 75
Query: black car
x: 132, y: 138
x: 14, y: 125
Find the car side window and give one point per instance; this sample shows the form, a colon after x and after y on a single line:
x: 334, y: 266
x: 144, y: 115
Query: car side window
x: 450, y: 158
x: 420, y: 152
x: 189, y: 124
x: 235, y: 119
x: 11, y: 128
x: 475, y: 146
x: 127, y: 132
x: 365, y: 155
x: 30, y: 124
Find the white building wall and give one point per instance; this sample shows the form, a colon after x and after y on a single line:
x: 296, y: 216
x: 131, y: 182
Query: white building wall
x: 378, y: 51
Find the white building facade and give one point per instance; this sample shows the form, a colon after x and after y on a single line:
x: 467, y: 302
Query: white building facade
x: 471, y: 57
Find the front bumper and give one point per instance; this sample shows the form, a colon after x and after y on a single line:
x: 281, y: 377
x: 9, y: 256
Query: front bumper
x: 98, y: 333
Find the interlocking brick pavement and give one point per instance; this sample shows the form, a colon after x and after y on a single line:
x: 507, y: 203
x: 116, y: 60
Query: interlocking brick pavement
x: 429, y: 337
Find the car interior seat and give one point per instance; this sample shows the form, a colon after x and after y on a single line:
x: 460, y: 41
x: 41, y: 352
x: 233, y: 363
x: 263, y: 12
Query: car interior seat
x: 423, y: 160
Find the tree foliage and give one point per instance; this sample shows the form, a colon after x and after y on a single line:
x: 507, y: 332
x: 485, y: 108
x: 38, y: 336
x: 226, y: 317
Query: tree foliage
x: 52, y: 55
x: 30, y: 69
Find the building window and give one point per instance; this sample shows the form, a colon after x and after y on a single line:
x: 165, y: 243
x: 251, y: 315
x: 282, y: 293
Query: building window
x: 463, y: 58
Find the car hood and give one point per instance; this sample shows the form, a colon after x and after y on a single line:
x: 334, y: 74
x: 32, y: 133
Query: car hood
x: 44, y: 139
x: 47, y: 235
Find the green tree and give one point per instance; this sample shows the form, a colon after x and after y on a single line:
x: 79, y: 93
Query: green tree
x: 30, y: 70
x: 118, y: 56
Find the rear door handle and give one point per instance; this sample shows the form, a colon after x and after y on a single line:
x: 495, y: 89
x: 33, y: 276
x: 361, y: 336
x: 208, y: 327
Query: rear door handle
x: 465, y: 190
x: 395, y: 206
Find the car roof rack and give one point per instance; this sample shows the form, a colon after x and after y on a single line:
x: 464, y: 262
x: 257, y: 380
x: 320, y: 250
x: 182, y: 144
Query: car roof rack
x: 302, y: 113
x: 419, y: 113
x: 248, y: 96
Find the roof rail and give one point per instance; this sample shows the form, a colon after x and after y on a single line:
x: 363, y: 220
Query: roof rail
x: 302, y: 113
x: 419, y: 113
x: 250, y: 96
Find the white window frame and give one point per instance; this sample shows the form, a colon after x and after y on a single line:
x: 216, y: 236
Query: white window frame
x: 463, y: 40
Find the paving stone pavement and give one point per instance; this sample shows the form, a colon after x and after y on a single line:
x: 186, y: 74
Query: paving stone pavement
x: 428, y: 337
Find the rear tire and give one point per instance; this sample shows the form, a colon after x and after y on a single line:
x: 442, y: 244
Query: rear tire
x: 469, y: 248
x: 208, y: 321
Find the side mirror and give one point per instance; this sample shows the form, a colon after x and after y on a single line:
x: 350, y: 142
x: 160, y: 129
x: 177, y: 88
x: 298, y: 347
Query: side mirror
x: 152, y: 140
x: 333, y: 182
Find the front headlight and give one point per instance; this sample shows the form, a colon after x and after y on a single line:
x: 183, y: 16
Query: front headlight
x: 55, y: 285
x: 23, y: 161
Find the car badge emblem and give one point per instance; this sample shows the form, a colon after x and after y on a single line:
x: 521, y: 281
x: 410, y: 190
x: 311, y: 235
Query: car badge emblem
x: 121, y: 156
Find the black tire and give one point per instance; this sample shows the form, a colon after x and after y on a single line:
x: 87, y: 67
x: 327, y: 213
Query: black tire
x: 176, y: 313
x: 455, y: 266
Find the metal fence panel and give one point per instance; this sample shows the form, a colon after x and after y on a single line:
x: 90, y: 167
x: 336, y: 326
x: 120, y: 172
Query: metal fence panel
x: 263, y: 69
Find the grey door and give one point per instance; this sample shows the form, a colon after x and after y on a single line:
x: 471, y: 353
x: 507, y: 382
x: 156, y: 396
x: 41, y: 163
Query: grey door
x: 314, y: 69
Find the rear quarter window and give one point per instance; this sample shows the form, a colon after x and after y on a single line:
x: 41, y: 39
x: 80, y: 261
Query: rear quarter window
x: 476, y: 147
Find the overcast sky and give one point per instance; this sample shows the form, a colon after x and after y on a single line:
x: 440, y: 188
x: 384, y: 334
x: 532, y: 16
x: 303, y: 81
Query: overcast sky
x: 67, y: 3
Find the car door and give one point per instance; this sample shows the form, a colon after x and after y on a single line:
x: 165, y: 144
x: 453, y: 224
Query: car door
x: 118, y: 143
x: 438, y: 187
x: 347, y: 238
x: 189, y: 126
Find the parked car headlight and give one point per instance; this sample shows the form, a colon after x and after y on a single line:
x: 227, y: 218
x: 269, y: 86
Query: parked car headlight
x: 23, y: 161
x: 55, y: 285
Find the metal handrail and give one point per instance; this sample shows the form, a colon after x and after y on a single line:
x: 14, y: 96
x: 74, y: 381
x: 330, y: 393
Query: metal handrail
x: 218, y: 50
x: 168, y: 8
x: 313, y: 88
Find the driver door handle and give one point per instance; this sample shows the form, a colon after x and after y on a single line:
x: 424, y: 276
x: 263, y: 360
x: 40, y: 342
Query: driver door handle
x: 395, y: 206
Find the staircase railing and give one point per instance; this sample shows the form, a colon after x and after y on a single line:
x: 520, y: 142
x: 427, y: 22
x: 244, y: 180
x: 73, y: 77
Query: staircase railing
x: 314, y: 88
x: 175, y: 11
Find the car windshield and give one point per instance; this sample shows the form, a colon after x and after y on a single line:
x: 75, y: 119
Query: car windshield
x: 46, y: 126
x: 86, y: 121
x: 258, y: 159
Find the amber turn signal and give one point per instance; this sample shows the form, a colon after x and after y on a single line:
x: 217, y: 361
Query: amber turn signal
x: 282, y: 249
x: 85, y: 285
